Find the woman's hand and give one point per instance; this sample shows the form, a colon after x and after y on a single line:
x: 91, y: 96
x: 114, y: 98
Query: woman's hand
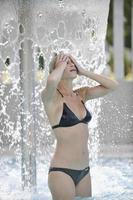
x: 61, y: 60
x: 80, y: 70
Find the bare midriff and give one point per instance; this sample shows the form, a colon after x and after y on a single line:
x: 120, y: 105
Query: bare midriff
x: 71, y: 147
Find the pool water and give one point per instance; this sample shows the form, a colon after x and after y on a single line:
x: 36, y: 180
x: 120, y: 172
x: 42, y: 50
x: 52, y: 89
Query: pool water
x: 112, y: 179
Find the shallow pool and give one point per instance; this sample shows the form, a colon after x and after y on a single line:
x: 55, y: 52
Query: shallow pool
x: 112, y: 179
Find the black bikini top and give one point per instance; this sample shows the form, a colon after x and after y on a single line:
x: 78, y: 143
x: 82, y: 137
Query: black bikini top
x: 68, y: 118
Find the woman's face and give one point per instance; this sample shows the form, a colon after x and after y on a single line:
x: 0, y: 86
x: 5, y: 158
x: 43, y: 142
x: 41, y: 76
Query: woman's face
x: 70, y: 70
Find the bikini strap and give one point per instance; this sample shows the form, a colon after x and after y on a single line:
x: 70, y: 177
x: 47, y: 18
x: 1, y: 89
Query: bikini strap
x: 60, y: 92
x: 77, y: 93
x: 82, y: 101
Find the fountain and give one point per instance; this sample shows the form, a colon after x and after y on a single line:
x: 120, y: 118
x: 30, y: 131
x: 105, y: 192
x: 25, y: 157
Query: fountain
x: 30, y: 32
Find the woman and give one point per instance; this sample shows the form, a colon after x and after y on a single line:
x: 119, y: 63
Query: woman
x: 69, y: 172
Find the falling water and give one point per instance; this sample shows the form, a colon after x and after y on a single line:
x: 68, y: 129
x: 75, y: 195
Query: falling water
x: 30, y: 31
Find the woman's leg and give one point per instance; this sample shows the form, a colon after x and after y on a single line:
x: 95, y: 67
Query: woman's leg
x: 84, y: 187
x: 61, y: 186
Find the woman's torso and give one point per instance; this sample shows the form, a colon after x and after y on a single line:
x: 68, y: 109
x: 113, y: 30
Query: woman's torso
x: 72, y: 142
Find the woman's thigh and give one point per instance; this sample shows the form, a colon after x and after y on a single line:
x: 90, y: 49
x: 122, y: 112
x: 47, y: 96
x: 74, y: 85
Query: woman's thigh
x: 61, y: 186
x: 84, y: 187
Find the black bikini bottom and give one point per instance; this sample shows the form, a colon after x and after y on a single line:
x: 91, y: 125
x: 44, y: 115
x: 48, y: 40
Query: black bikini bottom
x: 75, y: 174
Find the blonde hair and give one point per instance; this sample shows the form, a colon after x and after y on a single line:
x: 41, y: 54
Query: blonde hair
x: 52, y: 62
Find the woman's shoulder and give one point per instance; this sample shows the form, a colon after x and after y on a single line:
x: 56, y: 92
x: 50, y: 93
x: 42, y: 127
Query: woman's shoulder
x: 51, y: 103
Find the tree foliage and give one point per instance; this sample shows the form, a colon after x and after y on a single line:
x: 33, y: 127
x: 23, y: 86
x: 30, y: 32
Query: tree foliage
x: 126, y: 25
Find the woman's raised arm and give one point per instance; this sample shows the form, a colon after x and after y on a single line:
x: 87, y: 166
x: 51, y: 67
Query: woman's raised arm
x: 59, y: 64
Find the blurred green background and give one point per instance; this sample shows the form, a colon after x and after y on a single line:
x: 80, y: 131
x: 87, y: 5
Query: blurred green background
x: 127, y: 39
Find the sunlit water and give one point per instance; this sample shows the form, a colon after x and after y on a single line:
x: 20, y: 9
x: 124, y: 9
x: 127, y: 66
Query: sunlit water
x: 76, y: 28
x: 112, y: 179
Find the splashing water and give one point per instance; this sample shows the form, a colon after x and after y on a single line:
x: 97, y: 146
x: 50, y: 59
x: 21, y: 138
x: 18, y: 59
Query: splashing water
x: 32, y: 31
x: 110, y: 180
